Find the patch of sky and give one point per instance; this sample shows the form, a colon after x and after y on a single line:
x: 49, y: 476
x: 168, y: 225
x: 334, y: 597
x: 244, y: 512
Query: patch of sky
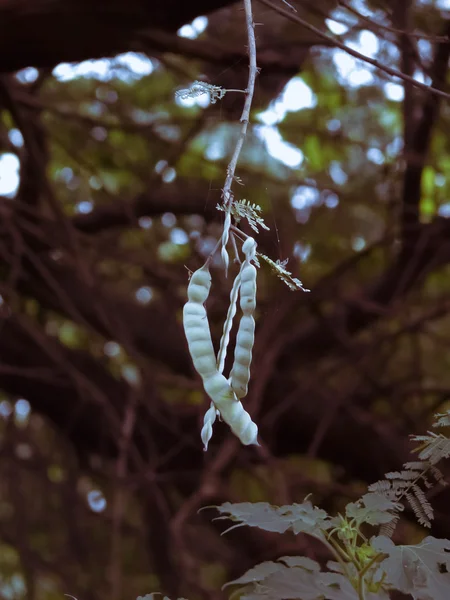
x: 421, y: 78
x: 65, y: 174
x: 305, y: 197
x: 145, y: 222
x: 295, y: 96
x: 179, y: 236
x: 215, y: 150
x: 337, y: 174
x: 440, y: 4
x: 112, y: 349
x: 5, y: 409
x: 169, y: 175
x: 336, y: 27
x: 444, y: 210
x: 168, y: 220
x: 22, y: 410
x: 27, y: 75
x: 302, y: 251
x: 169, y: 133
x: 94, y: 109
x: 131, y: 375
x: 278, y: 148
x: 9, y: 174
x: 15, y: 137
x: 334, y: 125
x: 394, y: 91
x: 358, y: 243
x: 127, y: 67
x: 394, y: 147
x: 96, y: 501
x: 351, y: 71
x: 330, y: 199
x: 144, y: 295
x: 425, y: 48
x: 84, y: 207
x: 160, y: 166
x: 194, y: 29
x: 95, y: 182
x: 439, y: 180
x: 14, y: 587
x: 375, y: 155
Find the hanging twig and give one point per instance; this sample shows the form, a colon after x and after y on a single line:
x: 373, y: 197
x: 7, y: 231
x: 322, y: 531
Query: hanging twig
x: 245, y: 117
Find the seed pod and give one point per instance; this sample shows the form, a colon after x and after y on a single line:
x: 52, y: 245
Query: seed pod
x: 228, y: 324
x: 231, y: 410
x: 240, y: 373
x: 208, y: 422
x: 196, y: 325
x: 198, y: 335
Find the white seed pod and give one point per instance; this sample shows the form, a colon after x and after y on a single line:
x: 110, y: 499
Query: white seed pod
x: 228, y: 324
x: 248, y: 289
x: 239, y: 421
x: 208, y: 422
x: 199, y: 285
x: 240, y: 373
x: 249, y: 248
x: 231, y: 410
x: 218, y: 388
x: 225, y: 236
x: 196, y: 325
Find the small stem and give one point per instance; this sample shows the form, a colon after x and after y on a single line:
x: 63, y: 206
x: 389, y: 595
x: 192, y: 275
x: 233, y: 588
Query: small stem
x: 208, y: 260
x: 236, y: 252
x: 361, y: 589
x: 362, y: 574
x: 245, y: 117
x: 232, y: 90
x: 238, y: 233
x: 338, y: 553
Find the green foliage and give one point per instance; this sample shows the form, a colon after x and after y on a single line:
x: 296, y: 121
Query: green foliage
x: 422, y: 570
x: 366, y: 566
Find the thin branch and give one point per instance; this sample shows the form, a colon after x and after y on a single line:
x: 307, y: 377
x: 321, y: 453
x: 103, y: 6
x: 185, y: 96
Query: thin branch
x: 355, y: 53
x: 245, y: 118
x: 439, y: 39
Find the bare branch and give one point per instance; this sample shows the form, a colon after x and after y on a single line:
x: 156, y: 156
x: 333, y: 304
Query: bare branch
x: 355, y: 53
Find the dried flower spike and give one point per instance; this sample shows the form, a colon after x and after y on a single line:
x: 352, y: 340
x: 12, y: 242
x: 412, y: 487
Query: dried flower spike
x: 198, y: 88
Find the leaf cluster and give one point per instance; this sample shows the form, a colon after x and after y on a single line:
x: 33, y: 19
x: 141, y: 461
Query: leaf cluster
x: 363, y: 568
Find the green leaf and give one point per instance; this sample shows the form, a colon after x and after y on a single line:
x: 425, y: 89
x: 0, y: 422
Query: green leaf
x: 422, y: 570
x: 372, y: 508
x: 299, y: 518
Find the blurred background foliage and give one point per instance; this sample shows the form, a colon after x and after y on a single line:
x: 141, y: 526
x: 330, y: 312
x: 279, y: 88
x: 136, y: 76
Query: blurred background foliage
x: 109, y: 186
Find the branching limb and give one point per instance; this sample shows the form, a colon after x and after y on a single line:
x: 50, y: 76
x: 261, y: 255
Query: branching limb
x: 371, y: 61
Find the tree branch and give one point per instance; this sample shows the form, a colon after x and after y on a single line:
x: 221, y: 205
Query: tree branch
x: 375, y: 63
x: 418, y: 147
x: 44, y: 33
